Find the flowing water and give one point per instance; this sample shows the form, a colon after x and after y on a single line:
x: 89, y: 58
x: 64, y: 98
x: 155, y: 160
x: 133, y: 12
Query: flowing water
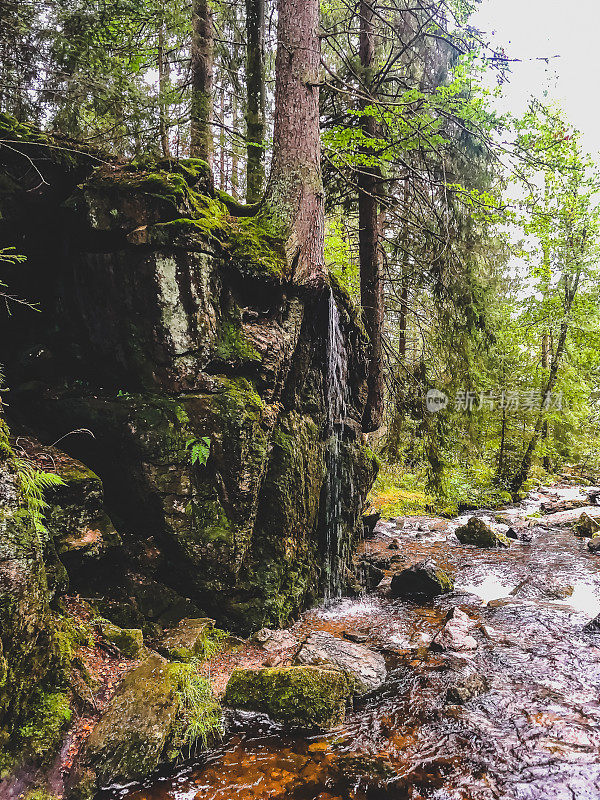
x: 336, y: 382
x: 534, y: 735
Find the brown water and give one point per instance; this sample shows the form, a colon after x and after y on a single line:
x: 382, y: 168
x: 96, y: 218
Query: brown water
x: 535, y: 735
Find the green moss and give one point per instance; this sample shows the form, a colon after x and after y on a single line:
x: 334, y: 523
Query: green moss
x: 39, y: 794
x: 128, y: 641
x: 298, y: 696
x: 233, y: 345
x: 49, y: 715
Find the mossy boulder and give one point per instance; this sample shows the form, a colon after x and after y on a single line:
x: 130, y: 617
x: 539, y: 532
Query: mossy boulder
x: 129, y: 739
x: 187, y: 640
x: 128, y: 641
x: 299, y: 696
x: 478, y: 534
x: 586, y: 526
x: 421, y: 581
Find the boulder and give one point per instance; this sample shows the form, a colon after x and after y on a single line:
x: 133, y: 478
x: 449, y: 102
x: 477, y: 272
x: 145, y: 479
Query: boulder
x: 298, y: 696
x: 593, y: 626
x: 564, y: 518
x: 369, y: 521
x: 592, y: 494
x: 366, y: 668
x: 422, y: 581
x: 186, y: 641
x: 594, y: 544
x: 468, y: 684
x: 586, y: 526
x: 128, y: 641
x: 477, y: 533
x: 456, y: 633
x: 511, y: 533
x: 128, y: 741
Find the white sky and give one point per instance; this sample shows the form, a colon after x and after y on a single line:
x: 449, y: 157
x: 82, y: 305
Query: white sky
x: 530, y: 29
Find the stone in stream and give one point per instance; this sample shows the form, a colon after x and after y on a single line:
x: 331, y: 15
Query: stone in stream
x: 422, y: 581
x: 586, y: 526
x: 366, y: 668
x: 128, y: 741
x: 594, y: 544
x: 456, y: 633
x: 468, y: 684
x: 477, y: 533
x: 593, y: 626
x: 299, y: 696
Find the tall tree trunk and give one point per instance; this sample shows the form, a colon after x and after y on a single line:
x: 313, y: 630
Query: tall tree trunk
x: 547, y: 463
x: 295, y: 198
x: 235, y: 182
x: 255, y: 108
x: 371, y: 272
x: 202, y: 55
x: 163, y: 87
x: 571, y: 287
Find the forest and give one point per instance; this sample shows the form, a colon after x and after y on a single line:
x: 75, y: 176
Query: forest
x: 299, y: 407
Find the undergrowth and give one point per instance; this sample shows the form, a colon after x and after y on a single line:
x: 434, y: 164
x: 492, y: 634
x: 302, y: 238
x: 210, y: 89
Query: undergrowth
x: 200, y: 719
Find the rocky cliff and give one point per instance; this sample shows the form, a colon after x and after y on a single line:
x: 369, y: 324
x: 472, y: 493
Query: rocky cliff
x: 167, y: 319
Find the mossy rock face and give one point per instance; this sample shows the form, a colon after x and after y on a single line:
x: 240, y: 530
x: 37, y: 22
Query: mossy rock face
x: 29, y: 651
x: 477, y: 533
x: 301, y: 696
x: 128, y: 741
x: 168, y: 319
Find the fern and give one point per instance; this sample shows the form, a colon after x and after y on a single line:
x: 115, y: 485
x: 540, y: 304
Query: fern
x: 33, y: 483
x: 199, y: 450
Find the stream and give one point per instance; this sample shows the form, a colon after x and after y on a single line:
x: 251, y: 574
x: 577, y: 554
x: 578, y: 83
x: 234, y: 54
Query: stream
x: 533, y: 735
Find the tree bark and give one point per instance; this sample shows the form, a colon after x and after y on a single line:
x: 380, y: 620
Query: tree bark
x: 163, y: 86
x: 371, y: 272
x: 255, y: 108
x: 571, y: 287
x: 295, y: 199
x: 202, y: 56
x: 547, y: 463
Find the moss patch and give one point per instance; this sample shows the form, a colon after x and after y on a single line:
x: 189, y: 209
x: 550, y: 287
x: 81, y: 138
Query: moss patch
x: 303, y: 697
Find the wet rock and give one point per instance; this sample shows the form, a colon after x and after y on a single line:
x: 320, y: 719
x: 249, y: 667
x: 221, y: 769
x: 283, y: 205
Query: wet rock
x: 593, y: 626
x: 129, y: 739
x: 477, y: 533
x: 187, y: 640
x: 272, y: 639
x: 594, y: 544
x: 468, y: 684
x: 558, y: 506
x: 456, y: 633
x: 511, y: 533
x: 586, y: 526
x: 366, y: 668
x: 299, y: 696
x: 369, y: 522
x: 422, y: 581
x: 353, y: 636
x: 394, y: 545
x: 438, y: 525
x: 128, y: 641
x: 592, y: 494
x: 564, y: 518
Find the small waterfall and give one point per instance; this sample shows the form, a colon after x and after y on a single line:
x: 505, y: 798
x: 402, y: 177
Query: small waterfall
x: 337, y: 405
